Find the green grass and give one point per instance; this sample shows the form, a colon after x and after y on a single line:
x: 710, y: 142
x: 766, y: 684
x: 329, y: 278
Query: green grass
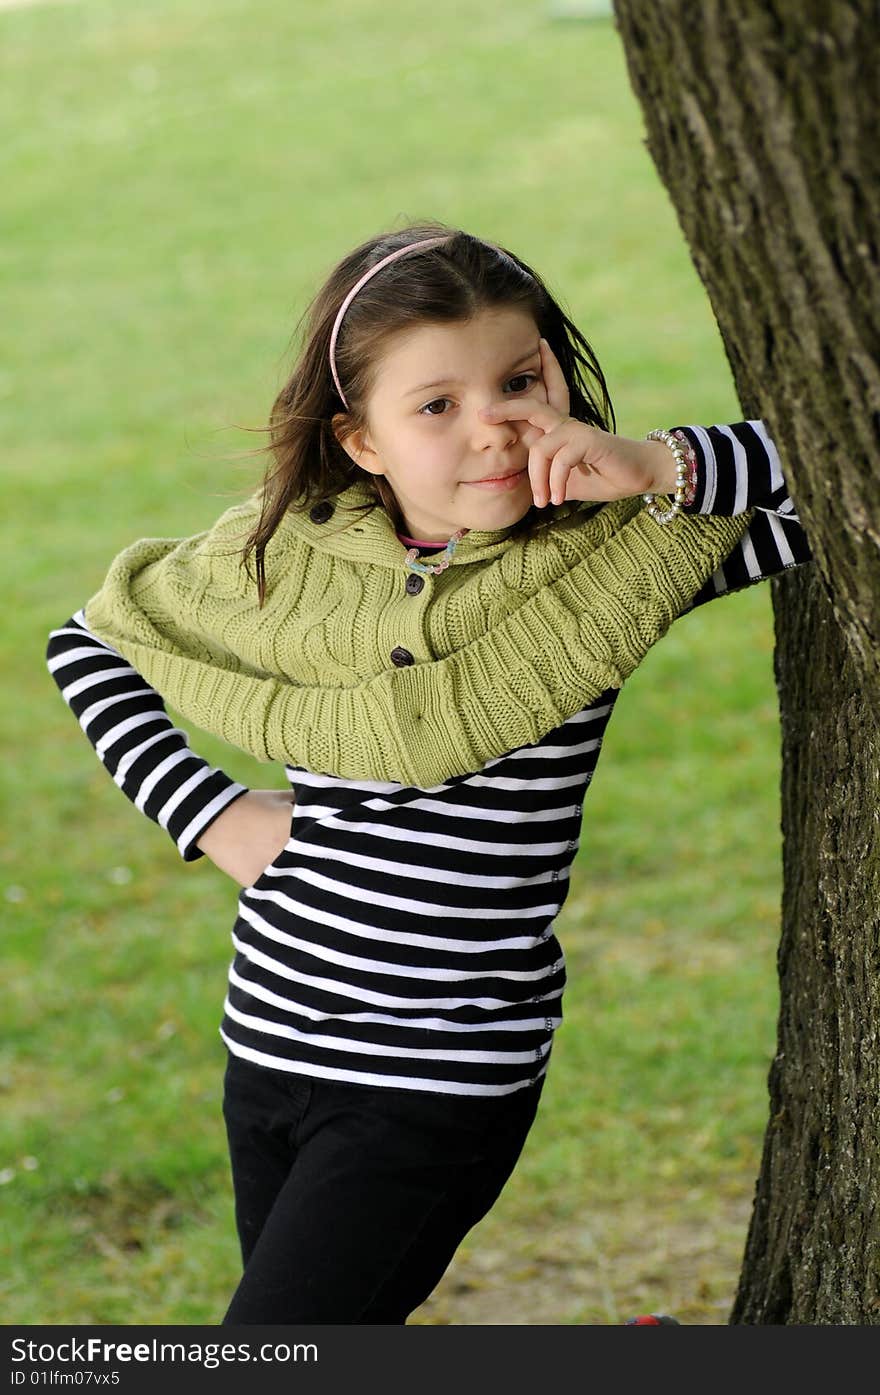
x: 180, y: 177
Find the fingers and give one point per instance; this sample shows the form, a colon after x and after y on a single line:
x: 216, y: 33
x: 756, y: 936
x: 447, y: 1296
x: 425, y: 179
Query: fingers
x: 561, y: 466
x: 529, y: 409
x: 554, y: 380
x: 550, y: 463
x: 549, y: 475
x: 554, y: 456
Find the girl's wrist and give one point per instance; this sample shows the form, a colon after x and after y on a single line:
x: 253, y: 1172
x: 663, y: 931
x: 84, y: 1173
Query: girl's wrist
x: 661, y: 468
x: 665, y: 475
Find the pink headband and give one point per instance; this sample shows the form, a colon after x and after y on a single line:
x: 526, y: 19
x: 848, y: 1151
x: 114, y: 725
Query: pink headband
x: 392, y: 257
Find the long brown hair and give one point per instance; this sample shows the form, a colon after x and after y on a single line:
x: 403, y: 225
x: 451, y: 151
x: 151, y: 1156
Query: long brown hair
x: 444, y: 284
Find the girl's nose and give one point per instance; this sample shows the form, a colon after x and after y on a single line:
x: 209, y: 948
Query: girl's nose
x: 497, y: 435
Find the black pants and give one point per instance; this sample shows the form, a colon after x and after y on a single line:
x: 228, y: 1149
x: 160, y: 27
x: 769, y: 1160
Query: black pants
x: 350, y: 1201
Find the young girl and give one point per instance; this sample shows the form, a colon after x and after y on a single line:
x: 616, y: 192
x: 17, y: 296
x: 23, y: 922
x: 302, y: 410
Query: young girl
x: 457, y: 566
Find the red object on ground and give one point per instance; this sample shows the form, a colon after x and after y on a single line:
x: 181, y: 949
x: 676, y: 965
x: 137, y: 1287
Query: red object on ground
x: 652, y: 1320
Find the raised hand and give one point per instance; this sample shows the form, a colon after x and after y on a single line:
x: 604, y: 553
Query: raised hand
x: 570, y: 460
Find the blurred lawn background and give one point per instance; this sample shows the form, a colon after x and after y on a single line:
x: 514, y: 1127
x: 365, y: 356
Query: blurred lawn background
x: 179, y: 178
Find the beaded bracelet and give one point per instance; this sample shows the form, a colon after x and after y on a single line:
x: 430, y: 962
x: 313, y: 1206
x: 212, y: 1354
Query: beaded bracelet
x: 685, y: 474
x: 691, y: 491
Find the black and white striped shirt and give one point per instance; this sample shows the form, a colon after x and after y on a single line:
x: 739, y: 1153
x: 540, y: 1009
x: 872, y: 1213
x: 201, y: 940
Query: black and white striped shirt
x: 404, y: 936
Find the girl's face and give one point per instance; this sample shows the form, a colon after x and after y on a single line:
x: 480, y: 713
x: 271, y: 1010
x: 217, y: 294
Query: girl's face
x: 424, y: 432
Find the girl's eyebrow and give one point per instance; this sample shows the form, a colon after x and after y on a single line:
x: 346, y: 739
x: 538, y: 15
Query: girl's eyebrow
x: 444, y: 382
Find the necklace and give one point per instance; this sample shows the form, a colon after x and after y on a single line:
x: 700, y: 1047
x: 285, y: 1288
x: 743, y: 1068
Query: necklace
x: 434, y: 567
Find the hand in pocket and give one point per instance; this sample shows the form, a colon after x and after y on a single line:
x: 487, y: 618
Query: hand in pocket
x: 250, y: 833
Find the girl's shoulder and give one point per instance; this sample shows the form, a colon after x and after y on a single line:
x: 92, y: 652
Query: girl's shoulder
x: 207, y: 562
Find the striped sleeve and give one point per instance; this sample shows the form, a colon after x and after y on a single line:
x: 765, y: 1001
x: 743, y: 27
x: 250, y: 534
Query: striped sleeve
x: 127, y: 723
x: 738, y: 468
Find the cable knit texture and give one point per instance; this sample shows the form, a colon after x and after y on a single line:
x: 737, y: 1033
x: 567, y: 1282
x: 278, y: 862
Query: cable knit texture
x: 513, y: 638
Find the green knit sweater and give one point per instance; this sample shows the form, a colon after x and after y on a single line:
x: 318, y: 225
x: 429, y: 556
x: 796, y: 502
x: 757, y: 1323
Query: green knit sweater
x: 514, y: 637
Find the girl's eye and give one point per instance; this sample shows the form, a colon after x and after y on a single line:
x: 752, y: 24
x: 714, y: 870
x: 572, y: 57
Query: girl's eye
x: 521, y: 377
x: 525, y: 378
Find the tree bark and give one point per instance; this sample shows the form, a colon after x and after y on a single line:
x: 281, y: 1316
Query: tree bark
x: 762, y: 120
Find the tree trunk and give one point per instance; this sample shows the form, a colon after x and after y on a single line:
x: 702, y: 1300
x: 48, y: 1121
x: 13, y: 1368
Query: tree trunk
x: 762, y: 120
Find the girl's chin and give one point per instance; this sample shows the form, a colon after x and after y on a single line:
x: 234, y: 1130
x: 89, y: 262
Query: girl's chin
x: 483, y: 510
x: 504, y: 513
